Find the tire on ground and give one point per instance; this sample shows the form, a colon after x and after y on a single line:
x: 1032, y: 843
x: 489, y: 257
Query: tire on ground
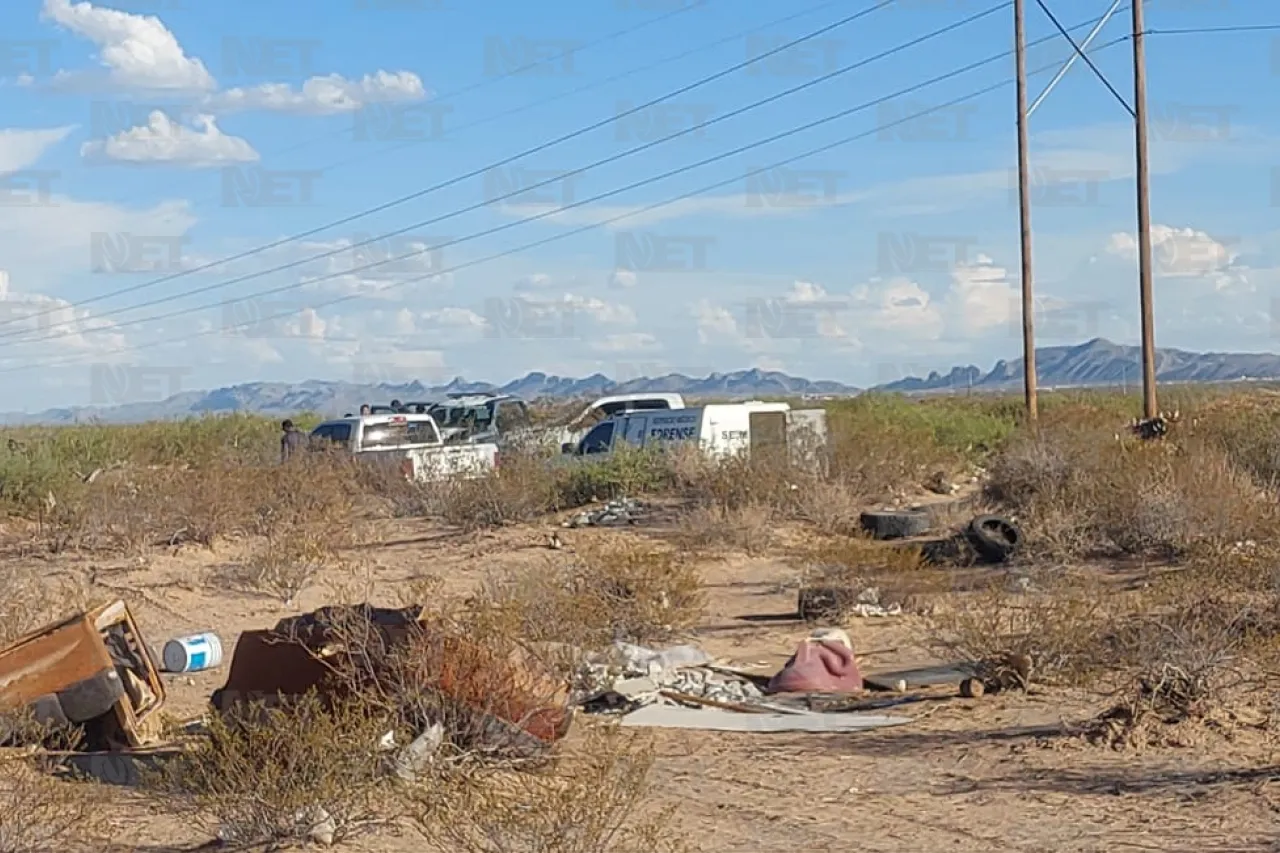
x: 899, y: 524
x: 996, y: 539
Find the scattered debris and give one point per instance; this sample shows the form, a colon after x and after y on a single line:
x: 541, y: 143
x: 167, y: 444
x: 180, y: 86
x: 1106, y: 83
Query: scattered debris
x: 92, y: 671
x: 509, y: 705
x: 829, y: 602
x: 615, y: 513
x: 1149, y: 429
x: 940, y: 484
x: 823, y: 663
x: 719, y: 720
x: 928, y: 676
x: 996, y: 539
x: 554, y: 542
x: 896, y: 524
x: 192, y: 653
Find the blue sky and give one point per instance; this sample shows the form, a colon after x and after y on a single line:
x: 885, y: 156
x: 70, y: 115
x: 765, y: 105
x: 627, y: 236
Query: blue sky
x: 143, y: 142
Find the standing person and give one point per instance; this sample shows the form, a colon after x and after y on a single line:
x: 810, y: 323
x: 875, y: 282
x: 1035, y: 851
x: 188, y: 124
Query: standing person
x: 291, y: 441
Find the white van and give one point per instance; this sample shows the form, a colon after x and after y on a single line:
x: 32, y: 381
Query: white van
x: 720, y: 430
x: 613, y: 406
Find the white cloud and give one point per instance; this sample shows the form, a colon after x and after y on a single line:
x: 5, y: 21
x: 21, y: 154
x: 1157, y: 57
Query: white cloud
x: 980, y: 297
x: 536, y: 281
x: 21, y: 148
x: 165, y: 141
x: 622, y: 279
x: 40, y: 326
x: 326, y: 95
x: 1184, y: 253
x: 899, y: 308
x: 715, y: 322
x: 138, y: 51
x: 599, y: 310
x: 626, y: 342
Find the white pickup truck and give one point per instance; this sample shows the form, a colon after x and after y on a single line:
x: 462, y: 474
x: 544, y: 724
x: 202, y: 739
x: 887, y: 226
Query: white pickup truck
x: 413, y: 440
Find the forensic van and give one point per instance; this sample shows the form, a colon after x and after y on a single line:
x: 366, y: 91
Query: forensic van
x: 719, y: 430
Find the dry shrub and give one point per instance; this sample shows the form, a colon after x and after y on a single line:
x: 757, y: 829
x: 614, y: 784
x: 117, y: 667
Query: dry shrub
x: 32, y: 599
x: 520, y: 489
x: 589, y: 800
x: 611, y: 590
x: 1080, y: 492
x: 274, y: 776
x: 39, y: 814
x: 302, y: 518
x: 749, y: 528
x: 1063, y: 630
x: 851, y: 566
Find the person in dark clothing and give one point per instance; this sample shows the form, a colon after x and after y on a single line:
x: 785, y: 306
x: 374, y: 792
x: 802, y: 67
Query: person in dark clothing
x: 396, y: 405
x: 291, y: 441
x: 365, y: 410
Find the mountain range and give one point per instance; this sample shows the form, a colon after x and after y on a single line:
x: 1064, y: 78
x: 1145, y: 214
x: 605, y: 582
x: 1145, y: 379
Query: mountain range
x: 1095, y: 363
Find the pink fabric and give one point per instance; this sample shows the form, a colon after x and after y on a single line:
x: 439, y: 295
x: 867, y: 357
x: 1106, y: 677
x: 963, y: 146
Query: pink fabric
x: 818, y: 667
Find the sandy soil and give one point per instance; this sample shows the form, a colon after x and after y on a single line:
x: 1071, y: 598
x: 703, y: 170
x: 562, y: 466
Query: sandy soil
x: 991, y: 774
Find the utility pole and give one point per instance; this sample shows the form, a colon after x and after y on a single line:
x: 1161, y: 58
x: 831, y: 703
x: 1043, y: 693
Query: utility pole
x: 1024, y: 211
x: 1149, y: 407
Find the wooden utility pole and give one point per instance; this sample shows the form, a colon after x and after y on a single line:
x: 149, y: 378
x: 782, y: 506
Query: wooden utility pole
x: 1149, y: 407
x: 1024, y: 212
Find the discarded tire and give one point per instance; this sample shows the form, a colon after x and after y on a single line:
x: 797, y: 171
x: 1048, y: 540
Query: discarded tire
x: 995, y: 539
x: 899, y: 524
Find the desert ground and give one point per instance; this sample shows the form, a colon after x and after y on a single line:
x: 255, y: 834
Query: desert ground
x: 1019, y: 769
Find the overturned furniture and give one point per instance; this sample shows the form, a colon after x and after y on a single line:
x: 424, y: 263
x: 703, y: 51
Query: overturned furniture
x: 485, y: 699
x: 93, y: 672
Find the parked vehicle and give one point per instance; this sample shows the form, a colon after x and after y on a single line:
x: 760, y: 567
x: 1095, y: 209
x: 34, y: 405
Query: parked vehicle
x: 608, y: 407
x: 411, y: 440
x: 481, y: 418
x: 719, y: 430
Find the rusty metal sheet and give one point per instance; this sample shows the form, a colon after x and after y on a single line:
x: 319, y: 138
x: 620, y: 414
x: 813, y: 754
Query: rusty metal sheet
x: 66, y: 672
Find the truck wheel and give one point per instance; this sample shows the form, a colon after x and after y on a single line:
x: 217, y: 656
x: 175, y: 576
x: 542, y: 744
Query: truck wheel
x: 897, y: 524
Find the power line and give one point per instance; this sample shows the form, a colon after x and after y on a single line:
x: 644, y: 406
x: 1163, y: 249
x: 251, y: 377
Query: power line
x: 628, y: 214
x: 476, y: 172
x: 6, y: 339
x: 1242, y: 28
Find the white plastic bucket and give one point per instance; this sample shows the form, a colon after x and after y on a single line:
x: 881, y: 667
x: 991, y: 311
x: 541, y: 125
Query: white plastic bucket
x: 192, y: 653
